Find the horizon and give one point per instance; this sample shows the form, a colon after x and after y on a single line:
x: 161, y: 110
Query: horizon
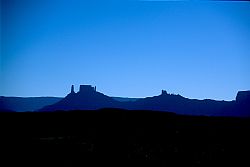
x: 132, y: 49
x: 160, y: 92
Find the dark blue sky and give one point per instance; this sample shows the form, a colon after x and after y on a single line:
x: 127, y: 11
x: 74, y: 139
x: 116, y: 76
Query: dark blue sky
x: 132, y: 49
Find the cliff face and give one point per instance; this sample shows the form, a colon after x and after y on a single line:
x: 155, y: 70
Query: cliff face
x: 243, y: 97
x: 243, y: 102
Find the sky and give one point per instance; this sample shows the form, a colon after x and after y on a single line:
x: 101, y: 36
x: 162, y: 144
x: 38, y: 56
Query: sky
x: 130, y: 48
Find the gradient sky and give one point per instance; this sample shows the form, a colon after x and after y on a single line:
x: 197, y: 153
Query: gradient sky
x: 129, y: 48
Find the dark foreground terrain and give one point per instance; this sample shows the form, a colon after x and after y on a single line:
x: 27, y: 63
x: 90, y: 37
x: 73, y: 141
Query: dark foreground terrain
x: 113, y: 137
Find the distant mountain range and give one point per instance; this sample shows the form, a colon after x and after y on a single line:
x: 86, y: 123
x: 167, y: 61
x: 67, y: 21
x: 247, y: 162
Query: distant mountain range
x: 22, y: 104
x: 89, y: 99
x: 26, y: 103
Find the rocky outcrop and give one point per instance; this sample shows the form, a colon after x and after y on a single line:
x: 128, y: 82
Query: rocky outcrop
x: 87, y: 98
x: 243, y: 97
x: 243, y: 103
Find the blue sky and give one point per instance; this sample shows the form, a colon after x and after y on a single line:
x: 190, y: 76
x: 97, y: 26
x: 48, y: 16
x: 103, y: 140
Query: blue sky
x: 126, y: 48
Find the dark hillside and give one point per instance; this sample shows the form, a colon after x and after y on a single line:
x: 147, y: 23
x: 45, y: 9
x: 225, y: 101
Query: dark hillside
x: 113, y: 137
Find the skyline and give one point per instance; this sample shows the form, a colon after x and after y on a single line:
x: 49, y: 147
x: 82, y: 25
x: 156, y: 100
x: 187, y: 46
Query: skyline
x: 75, y: 89
x: 199, y: 50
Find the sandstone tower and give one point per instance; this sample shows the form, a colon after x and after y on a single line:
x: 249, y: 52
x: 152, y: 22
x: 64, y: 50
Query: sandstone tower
x: 72, y: 89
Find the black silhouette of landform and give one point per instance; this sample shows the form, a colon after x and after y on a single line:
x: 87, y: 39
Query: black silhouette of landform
x: 115, y: 137
x: 128, y: 132
x: 89, y: 99
x: 21, y: 104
